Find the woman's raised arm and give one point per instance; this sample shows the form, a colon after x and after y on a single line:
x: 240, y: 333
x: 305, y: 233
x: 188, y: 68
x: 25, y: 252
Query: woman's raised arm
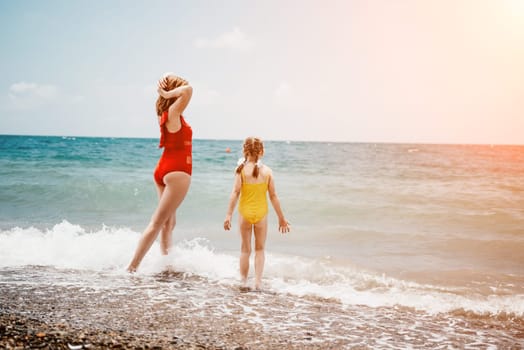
x: 182, y: 94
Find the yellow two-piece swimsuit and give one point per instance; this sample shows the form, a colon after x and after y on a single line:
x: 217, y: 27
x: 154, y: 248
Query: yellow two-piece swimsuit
x: 253, y: 200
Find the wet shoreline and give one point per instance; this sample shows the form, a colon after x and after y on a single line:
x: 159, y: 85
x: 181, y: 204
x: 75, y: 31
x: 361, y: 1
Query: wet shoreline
x: 181, y: 311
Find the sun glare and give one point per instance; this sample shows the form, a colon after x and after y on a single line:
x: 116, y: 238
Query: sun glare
x: 515, y: 10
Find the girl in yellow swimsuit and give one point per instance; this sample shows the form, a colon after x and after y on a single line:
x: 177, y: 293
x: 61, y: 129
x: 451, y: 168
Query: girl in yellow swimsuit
x: 252, y: 183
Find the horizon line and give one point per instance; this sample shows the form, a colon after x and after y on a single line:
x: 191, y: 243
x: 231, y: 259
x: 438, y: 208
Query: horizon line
x: 287, y: 141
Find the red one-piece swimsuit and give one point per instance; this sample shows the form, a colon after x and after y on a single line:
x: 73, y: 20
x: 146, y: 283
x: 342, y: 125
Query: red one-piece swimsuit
x: 177, y: 150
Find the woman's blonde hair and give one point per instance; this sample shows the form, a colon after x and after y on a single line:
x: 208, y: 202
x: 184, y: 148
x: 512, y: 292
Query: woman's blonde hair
x: 254, y: 147
x: 173, y: 82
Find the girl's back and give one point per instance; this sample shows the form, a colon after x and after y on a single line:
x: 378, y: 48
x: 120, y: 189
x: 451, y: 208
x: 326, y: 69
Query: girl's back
x: 264, y: 174
x: 253, y: 194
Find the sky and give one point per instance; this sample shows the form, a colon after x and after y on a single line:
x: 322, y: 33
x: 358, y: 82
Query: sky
x: 405, y: 71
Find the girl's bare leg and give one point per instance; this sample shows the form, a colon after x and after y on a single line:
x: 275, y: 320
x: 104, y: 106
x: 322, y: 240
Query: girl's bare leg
x: 260, y: 229
x: 172, y: 195
x: 245, y: 248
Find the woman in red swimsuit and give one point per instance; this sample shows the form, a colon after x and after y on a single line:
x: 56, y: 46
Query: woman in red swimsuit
x: 173, y: 171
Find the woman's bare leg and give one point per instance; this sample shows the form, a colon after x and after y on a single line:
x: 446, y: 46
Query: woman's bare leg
x: 167, y: 230
x: 245, y: 248
x: 260, y: 229
x: 177, y: 185
x: 166, y: 235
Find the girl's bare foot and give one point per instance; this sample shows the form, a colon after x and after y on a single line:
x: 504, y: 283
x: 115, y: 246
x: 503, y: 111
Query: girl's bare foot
x: 258, y: 286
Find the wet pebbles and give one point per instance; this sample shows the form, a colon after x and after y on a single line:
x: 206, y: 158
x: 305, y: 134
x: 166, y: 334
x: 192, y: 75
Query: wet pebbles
x: 17, y: 332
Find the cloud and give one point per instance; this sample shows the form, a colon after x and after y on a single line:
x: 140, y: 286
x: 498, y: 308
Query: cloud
x: 286, y: 94
x: 283, y: 90
x: 234, y: 39
x: 27, y: 96
x: 77, y: 99
x: 24, y: 89
x: 206, y: 95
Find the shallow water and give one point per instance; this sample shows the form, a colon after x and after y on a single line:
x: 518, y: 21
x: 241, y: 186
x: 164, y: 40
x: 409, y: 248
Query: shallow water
x: 417, y: 245
x: 196, y: 309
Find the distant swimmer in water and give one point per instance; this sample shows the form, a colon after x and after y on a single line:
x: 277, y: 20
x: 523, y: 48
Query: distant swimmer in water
x: 253, y: 181
x: 173, y: 171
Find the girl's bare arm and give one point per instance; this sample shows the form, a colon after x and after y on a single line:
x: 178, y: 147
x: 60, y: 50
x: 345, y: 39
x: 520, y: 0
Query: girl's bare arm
x: 233, y: 199
x: 283, y: 225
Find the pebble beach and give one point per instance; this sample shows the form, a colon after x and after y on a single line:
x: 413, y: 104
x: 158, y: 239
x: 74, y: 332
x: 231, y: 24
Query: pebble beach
x: 177, y: 311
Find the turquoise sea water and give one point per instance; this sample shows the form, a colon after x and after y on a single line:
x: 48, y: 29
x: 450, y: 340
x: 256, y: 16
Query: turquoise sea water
x: 437, y: 228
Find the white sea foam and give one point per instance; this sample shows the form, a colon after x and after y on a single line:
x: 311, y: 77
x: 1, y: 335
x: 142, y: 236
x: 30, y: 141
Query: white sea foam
x: 69, y: 246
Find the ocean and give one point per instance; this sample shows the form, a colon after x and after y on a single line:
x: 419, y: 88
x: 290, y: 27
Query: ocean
x: 392, y: 245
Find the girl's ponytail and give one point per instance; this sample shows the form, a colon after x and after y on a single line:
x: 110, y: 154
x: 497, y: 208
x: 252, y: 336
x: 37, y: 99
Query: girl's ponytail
x: 240, y: 166
x: 255, y: 168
